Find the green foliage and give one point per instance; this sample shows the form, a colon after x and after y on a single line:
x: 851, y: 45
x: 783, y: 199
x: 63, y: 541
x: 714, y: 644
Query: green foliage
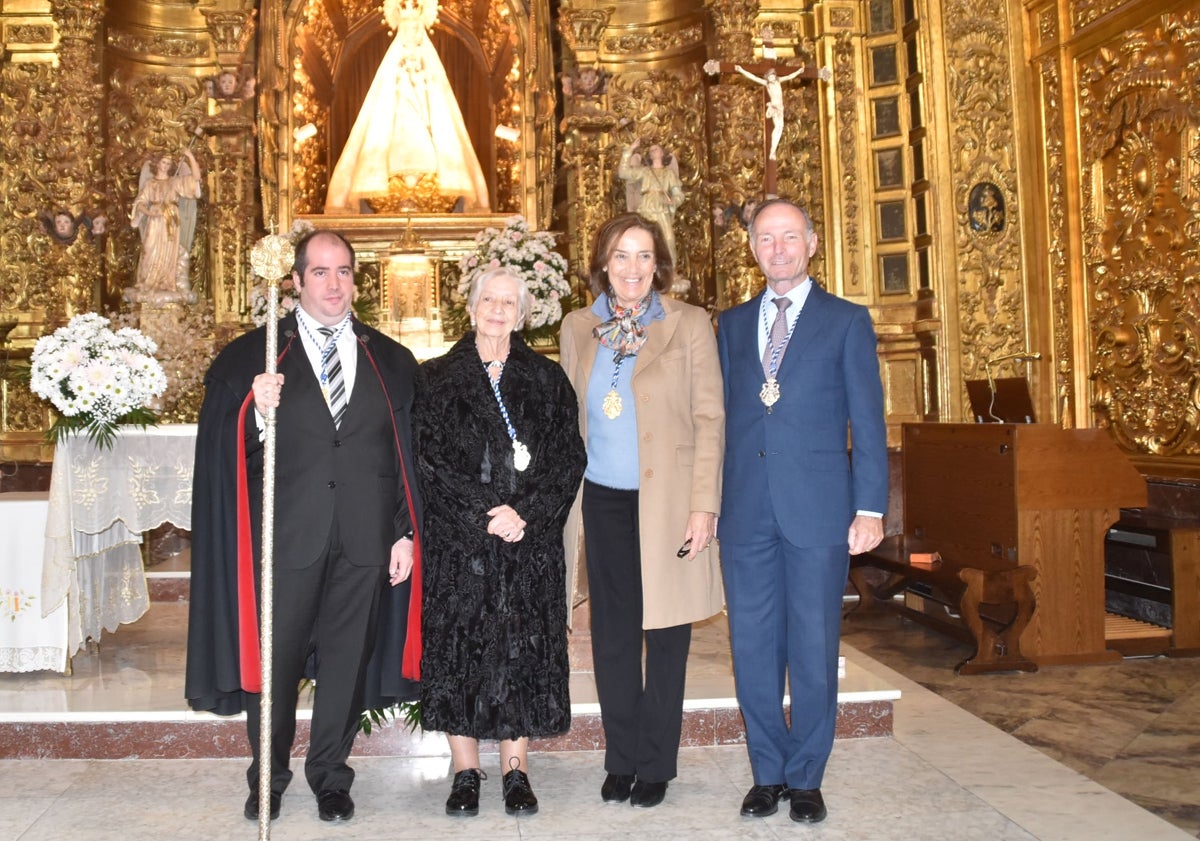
x: 407, y: 712
x: 98, y: 432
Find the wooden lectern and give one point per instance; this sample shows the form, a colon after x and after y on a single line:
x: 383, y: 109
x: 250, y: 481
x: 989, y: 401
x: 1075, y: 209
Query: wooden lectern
x: 998, y: 496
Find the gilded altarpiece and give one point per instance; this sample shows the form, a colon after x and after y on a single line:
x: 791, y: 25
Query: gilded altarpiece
x: 1123, y: 217
x: 307, y: 48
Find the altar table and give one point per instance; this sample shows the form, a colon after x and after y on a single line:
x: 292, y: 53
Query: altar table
x: 101, y: 500
x: 29, y: 642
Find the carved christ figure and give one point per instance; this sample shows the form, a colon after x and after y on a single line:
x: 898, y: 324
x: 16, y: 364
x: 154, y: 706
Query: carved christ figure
x: 409, y: 124
x: 774, y: 89
x: 772, y: 85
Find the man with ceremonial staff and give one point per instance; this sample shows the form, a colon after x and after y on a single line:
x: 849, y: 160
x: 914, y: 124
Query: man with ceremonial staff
x: 347, y: 520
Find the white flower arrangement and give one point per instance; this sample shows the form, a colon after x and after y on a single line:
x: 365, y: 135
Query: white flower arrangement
x: 532, y: 254
x: 97, y: 379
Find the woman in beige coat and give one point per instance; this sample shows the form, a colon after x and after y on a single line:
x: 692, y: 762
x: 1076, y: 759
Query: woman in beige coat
x: 646, y: 374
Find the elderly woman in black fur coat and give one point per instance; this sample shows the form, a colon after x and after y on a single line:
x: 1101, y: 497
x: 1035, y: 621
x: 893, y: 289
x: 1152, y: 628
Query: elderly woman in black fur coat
x: 496, y: 436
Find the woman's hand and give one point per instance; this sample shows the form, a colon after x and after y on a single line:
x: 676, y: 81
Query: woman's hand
x: 701, y: 529
x: 506, y: 524
x: 266, y: 391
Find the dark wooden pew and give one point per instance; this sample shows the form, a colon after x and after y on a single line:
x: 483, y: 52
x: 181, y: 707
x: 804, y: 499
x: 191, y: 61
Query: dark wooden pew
x: 960, y: 598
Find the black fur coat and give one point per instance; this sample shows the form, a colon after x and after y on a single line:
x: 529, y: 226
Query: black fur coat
x: 495, y: 613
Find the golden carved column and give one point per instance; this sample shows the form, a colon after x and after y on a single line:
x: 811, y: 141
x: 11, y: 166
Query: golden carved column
x: 585, y: 127
x: 232, y: 201
x: 164, y: 74
x: 735, y: 175
x: 843, y: 117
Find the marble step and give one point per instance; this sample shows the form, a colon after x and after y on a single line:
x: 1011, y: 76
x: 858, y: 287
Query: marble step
x: 125, y: 699
x: 182, y: 734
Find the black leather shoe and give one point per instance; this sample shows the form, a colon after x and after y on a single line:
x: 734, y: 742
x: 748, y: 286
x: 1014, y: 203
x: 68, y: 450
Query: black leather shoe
x: 464, y: 793
x: 646, y: 794
x: 334, y: 804
x: 251, y: 808
x: 518, y: 796
x: 761, y: 801
x: 807, y: 805
x: 616, y: 788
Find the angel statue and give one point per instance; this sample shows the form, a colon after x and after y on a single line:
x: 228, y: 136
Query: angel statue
x: 652, y: 188
x: 164, y: 214
x: 410, y: 124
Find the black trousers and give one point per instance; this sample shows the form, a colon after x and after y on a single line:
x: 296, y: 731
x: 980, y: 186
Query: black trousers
x: 331, y: 607
x: 642, y: 718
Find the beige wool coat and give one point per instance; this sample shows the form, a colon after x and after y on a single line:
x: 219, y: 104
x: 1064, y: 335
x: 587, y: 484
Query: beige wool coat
x: 679, y: 400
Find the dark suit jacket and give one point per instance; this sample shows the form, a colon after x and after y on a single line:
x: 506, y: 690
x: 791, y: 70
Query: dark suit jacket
x: 323, y: 471
x: 791, y: 464
x: 214, y: 679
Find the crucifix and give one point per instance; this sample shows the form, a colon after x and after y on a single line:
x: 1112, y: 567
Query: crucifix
x: 767, y: 74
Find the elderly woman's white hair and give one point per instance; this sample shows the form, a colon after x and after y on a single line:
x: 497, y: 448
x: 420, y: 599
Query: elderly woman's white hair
x: 524, y: 298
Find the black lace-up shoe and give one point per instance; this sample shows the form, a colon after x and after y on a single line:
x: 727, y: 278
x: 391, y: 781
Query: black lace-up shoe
x: 464, y: 793
x: 518, y: 796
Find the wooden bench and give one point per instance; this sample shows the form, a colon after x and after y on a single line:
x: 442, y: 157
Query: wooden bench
x: 963, y: 591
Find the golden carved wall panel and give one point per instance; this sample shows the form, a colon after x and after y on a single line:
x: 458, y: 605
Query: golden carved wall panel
x: 1084, y: 12
x: 991, y: 298
x: 1141, y: 211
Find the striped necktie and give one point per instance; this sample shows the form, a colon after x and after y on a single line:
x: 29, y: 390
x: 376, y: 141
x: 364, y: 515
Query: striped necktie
x: 778, y: 336
x: 331, y: 375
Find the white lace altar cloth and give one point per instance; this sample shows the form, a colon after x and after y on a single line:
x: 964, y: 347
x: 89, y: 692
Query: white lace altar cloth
x: 100, y: 503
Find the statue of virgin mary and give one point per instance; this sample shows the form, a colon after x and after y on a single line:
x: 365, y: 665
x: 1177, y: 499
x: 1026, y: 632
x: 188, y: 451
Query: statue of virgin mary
x: 409, y: 124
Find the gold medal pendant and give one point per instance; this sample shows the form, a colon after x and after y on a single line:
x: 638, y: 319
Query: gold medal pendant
x: 611, y: 405
x: 769, y: 393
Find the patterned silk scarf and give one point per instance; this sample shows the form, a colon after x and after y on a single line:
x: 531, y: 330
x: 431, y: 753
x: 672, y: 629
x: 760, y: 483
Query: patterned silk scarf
x: 624, y: 333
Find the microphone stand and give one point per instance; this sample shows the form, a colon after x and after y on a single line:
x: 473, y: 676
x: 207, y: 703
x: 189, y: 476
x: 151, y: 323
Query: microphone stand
x: 987, y: 369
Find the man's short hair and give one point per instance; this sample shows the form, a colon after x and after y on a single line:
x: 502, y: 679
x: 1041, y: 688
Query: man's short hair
x: 300, y: 261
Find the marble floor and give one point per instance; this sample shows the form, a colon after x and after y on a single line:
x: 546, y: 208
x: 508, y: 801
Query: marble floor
x: 944, y: 774
x: 1133, y: 726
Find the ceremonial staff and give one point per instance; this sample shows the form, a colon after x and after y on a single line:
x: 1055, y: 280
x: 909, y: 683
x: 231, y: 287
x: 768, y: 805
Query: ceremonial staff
x: 271, y: 259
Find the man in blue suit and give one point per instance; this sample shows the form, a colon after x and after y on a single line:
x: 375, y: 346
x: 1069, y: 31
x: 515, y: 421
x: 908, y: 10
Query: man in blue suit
x: 801, y: 383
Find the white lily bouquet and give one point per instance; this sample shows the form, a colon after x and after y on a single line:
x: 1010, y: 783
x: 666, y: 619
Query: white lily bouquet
x: 96, y: 378
x: 532, y: 254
